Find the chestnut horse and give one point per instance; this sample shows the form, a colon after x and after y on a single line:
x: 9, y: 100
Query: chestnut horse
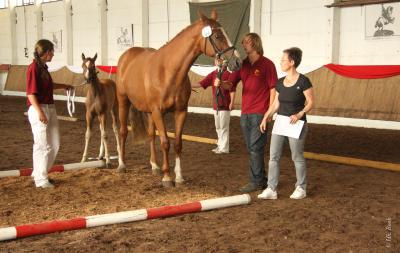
x: 157, y: 82
x: 100, y: 101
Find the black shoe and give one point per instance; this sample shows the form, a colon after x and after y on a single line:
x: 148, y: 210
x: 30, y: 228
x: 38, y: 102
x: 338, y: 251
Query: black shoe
x: 250, y: 187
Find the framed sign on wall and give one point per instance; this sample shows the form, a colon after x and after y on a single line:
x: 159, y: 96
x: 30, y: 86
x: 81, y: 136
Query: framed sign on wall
x: 124, y: 37
x: 382, y: 20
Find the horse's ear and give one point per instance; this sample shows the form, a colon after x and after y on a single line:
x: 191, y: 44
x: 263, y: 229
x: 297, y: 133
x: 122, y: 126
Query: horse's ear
x: 201, y: 16
x: 83, y: 57
x: 214, y: 15
x: 95, y: 57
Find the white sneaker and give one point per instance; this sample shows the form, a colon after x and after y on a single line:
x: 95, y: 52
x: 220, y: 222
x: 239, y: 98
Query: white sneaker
x: 299, y: 193
x: 46, y: 185
x: 221, y: 152
x: 268, y: 194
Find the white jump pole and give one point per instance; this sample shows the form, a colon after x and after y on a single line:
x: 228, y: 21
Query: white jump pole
x: 56, y: 168
x: 11, y: 233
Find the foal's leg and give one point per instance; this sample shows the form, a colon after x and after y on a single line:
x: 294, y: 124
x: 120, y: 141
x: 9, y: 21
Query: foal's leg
x: 123, y: 110
x: 159, y: 122
x: 180, y: 117
x: 89, y: 124
x: 114, y: 126
x: 104, y: 137
x: 101, y: 150
x: 153, y: 156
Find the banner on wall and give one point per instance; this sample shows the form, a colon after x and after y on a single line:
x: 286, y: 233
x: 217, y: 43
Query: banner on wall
x: 382, y: 21
x: 124, y: 37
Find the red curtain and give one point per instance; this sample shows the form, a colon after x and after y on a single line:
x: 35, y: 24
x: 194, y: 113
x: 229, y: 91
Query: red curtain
x: 353, y: 71
x: 365, y: 71
x: 108, y: 69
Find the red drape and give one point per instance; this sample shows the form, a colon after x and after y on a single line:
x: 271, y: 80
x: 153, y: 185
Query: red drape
x: 108, y: 69
x: 352, y: 71
x: 365, y: 71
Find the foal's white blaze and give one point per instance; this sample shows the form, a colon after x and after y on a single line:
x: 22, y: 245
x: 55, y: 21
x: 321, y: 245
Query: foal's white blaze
x: 178, y: 173
x: 229, y: 42
x: 87, y: 69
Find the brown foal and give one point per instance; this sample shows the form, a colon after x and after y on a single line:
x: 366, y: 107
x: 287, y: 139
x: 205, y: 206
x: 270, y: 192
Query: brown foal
x: 100, y: 101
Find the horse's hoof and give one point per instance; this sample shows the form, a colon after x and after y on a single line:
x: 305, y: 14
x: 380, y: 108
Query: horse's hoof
x: 108, y: 165
x: 179, y: 180
x: 121, y: 169
x: 167, y: 184
x: 100, y: 158
x: 156, y: 172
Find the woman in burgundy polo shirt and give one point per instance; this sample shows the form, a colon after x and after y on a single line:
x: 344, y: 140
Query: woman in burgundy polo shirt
x: 42, y: 112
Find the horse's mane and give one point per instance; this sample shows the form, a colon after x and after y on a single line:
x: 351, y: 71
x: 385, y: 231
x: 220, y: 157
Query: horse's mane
x: 180, y: 33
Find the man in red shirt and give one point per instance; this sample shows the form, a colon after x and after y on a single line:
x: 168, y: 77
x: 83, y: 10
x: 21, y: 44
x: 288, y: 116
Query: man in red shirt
x: 258, y: 76
x: 222, y: 105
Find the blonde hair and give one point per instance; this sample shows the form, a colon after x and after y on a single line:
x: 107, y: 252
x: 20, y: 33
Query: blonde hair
x: 255, y: 41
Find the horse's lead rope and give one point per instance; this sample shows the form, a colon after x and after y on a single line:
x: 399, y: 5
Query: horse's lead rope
x: 71, y: 99
x: 218, y: 92
x: 71, y: 102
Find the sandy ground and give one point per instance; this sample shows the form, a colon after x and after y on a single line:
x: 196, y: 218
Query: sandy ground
x: 348, y: 208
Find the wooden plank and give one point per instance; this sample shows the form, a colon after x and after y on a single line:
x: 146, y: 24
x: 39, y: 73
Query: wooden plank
x: 350, y: 3
x: 353, y: 161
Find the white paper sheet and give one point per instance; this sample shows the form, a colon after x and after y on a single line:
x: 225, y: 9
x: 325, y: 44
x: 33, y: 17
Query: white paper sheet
x: 283, y: 127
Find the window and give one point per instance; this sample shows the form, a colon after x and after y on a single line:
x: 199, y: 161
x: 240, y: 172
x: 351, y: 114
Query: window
x: 25, y: 2
x: 3, y: 4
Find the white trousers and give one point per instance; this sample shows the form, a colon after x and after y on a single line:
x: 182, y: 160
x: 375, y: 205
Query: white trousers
x: 222, y: 120
x: 46, y: 142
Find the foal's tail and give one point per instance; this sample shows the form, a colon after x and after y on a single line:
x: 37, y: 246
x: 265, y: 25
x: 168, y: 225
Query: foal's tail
x: 138, y: 122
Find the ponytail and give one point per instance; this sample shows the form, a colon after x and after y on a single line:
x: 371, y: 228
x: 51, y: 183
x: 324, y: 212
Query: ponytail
x: 42, y: 46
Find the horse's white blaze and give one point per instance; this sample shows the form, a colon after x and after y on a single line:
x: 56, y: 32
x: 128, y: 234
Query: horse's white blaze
x: 178, y: 171
x: 87, y: 69
x: 229, y: 42
x: 226, y: 37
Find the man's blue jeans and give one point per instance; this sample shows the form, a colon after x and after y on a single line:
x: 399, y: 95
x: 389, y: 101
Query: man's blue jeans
x: 255, y: 142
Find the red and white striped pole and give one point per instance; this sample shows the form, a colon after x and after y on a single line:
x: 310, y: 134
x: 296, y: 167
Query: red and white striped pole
x: 10, y: 233
x: 56, y: 168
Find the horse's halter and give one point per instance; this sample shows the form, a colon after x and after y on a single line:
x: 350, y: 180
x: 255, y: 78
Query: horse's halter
x: 207, y: 32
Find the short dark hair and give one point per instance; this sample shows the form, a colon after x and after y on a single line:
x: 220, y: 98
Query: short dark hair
x: 294, y: 54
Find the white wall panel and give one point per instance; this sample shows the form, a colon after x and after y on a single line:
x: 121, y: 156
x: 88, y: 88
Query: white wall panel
x: 304, y: 24
x: 5, y: 39
x: 26, y: 31
x: 123, y: 13
x: 166, y: 19
x: 85, y: 29
x: 54, y: 22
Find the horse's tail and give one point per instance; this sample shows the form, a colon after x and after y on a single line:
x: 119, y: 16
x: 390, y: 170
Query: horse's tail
x: 138, y: 121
